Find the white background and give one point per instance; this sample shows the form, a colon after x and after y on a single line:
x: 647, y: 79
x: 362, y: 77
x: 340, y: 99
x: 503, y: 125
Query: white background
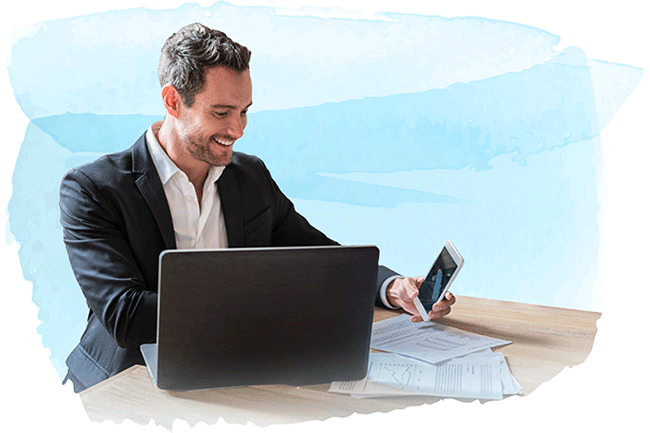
x: 602, y: 393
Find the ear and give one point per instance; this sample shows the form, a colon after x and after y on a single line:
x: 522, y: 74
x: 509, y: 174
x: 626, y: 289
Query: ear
x: 171, y: 100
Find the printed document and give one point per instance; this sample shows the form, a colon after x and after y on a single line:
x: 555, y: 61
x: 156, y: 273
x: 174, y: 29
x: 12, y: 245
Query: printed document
x: 427, y: 341
x: 482, y: 376
x: 510, y: 385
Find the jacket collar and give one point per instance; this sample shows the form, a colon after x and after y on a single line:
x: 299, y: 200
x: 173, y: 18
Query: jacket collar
x: 231, y: 205
x: 150, y: 186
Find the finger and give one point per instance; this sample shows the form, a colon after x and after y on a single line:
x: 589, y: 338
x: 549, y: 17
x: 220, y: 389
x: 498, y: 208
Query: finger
x: 439, y: 314
x: 446, y: 302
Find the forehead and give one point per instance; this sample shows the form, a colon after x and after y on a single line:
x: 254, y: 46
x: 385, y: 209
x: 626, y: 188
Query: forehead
x: 225, y: 86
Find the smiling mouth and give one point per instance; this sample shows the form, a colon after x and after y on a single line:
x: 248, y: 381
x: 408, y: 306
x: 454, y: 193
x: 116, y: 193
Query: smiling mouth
x: 225, y: 143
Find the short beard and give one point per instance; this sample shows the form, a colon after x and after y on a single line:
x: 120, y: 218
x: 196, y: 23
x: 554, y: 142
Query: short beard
x: 203, y: 153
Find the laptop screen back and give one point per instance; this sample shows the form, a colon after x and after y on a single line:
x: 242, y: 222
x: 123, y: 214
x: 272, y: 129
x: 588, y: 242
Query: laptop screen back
x: 235, y: 317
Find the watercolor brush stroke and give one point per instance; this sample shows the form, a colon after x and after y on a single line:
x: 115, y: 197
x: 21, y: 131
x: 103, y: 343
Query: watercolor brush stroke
x: 465, y: 128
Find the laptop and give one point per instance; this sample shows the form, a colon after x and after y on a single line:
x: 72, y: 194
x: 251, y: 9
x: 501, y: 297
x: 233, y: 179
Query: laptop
x: 252, y: 316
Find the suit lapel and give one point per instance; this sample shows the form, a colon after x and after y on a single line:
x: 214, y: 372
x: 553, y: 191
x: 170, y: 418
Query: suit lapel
x: 231, y: 205
x: 150, y: 186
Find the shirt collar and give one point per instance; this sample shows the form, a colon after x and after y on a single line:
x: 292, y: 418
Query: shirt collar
x: 166, y: 167
x: 214, y: 174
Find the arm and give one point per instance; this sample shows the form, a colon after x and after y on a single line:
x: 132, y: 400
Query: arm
x: 294, y: 227
x: 109, y: 274
x: 286, y: 227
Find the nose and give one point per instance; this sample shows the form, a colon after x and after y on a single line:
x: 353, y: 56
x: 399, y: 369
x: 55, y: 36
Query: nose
x: 236, y: 126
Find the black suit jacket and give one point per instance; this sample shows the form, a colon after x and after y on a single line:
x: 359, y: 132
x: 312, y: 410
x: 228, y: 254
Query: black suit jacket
x: 116, y: 221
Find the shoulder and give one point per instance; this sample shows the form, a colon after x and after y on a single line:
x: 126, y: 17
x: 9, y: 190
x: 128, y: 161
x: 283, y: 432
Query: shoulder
x: 110, y: 183
x: 250, y: 174
x: 248, y: 165
x: 244, y: 160
x: 111, y: 169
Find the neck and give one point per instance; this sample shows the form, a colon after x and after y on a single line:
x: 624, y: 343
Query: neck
x: 196, y: 171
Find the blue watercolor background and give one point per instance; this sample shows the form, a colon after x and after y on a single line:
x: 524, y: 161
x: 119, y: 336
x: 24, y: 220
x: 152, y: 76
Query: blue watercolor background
x: 401, y: 132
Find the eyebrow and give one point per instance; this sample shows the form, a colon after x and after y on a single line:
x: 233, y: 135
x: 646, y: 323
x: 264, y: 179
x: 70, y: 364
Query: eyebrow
x: 232, y: 107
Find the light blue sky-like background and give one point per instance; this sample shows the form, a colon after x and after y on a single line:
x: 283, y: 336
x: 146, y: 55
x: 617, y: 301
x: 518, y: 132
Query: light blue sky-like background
x: 528, y: 168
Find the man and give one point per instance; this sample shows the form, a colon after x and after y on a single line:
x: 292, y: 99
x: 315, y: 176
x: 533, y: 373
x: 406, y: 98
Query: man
x: 180, y: 185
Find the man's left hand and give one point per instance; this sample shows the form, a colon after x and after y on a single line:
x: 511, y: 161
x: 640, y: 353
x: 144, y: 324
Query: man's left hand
x: 402, y: 291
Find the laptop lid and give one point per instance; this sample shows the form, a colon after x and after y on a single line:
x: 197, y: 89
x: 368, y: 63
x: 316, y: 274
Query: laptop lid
x: 246, y: 316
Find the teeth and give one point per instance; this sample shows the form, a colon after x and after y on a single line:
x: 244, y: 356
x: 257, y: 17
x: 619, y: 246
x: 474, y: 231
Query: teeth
x: 223, y: 142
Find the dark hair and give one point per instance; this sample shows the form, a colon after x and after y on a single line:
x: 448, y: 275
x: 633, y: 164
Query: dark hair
x: 187, y: 53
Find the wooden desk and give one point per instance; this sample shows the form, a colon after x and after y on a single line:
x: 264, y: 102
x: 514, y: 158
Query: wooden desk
x: 544, y: 341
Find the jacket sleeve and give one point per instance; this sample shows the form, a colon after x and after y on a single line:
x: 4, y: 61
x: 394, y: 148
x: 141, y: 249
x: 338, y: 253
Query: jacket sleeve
x: 103, y: 262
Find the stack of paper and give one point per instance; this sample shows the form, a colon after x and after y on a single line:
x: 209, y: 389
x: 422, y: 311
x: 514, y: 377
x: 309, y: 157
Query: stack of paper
x: 432, y: 359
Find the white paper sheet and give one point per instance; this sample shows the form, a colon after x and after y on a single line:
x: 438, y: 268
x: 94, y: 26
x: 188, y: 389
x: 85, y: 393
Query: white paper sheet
x: 509, y: 384
x: 481, y: 376
x: 427, y: 341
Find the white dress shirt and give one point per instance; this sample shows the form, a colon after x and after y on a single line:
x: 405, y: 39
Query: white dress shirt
x: 194, y: 226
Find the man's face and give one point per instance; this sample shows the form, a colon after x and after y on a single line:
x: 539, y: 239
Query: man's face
x: 209, y: 128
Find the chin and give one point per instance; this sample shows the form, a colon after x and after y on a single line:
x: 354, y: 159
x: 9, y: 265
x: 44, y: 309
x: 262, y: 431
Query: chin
x: 219, y: 160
